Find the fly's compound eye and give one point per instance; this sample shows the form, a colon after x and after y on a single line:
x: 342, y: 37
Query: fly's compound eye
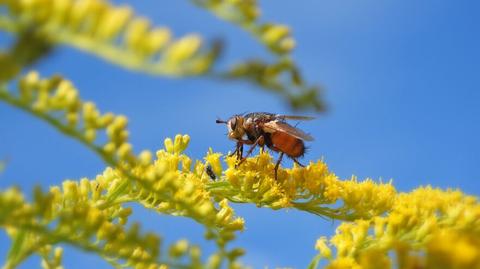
x: 233, y: 124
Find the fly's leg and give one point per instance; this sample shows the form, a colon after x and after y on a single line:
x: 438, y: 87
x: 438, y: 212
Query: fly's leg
x: 260, y: 140
x: 238, y: 150
x: 234, y: 152
x: 239, y: 153
x: 278, y: 164
x: 297, y: 162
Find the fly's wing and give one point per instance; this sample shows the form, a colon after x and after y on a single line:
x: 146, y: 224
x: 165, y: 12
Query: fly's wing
x: 293, y: 117
x: 284, y: 127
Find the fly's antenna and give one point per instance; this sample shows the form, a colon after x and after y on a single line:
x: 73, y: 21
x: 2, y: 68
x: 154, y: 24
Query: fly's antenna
x: 220, y: 121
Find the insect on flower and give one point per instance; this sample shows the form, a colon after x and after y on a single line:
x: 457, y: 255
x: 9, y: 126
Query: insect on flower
x: 210, y: 172
x: 267, y: 129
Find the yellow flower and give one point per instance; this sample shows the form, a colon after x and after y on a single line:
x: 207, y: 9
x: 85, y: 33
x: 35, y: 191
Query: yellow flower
x: 321, y: 246
x: 214, y: 160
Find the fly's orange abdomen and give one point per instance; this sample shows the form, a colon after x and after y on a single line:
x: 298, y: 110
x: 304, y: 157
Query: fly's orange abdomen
x: 288, y: 144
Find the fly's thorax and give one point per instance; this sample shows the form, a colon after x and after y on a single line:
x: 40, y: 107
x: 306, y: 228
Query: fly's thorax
x: 252, y: 128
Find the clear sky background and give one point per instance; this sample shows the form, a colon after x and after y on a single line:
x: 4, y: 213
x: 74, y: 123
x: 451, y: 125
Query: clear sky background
x: 401, y: 81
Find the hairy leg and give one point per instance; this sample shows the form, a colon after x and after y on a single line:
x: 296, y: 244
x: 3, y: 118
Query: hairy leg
x: 297, y: 162
x: 278, y: 164
x: 260, y: 140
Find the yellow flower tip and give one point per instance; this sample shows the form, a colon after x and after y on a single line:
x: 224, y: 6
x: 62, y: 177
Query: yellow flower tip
x: 106, y: 119
x: 186, y: 164
x: 214, y: 261
x: 88, y: 108
x: 205, y: 209
x: 125, y: 212
x: 65, y: 86
x: 287, y: 44
x: 72, y: 118
x: 70, y: 189
x: 136, y: 30
x: 263, y: 159
x: 238, y: 224
x: 56, y: 193
x: 158, y: 39
x: 278, y: 38
x: 112, y: 22
x: 106, y: 231
x: 322, y: 247
x: 186, y: 139
x: 223, y: 216
x: 183, y: 49
x: 274, y: 32
x: 235, y: 253
x: 90, y: 135
x: 120, y: 122
x: 58, y: 253
x: 168, y: 145
x: 231, y: 161
x: 137, y: 253
x: 84, y: 187
x: 195, y: 253
x: 125, y: 151
x: 225, y: 213
x: 360, y: 230
x: 31, y: 79
x: 145, y: 158
x: 94, y: 219
x: 179, y: 249
x: 233, y: 177
x: 180, y: 143
x: 109, y: 148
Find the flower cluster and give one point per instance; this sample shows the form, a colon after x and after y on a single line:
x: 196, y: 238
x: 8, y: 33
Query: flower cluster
x: 245, y: 14
x: 69, y: 215
x: 281, y: 76
x: 312, y: 188
x: 114, y: 33
x: 427, y: 228
x: 170, y: 184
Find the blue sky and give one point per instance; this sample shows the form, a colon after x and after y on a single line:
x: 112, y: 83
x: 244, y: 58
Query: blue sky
x: 401, y: 81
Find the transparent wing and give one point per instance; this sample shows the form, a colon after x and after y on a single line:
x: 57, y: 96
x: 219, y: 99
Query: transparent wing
x: 286, y: 128
x: 293, y: 117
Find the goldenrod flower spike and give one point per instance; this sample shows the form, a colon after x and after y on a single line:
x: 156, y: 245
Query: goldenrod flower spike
x: 110, y: 32
x: 282, y: 75
x: 245, y: 14
x: 166, y: 184
x: 427, y: 228
x: 314, y: 188
x: 116, y: 34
